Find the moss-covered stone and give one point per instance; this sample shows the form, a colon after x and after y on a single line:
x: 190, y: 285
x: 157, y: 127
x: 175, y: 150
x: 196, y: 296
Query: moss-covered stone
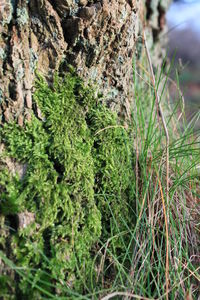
x: 79, y: 174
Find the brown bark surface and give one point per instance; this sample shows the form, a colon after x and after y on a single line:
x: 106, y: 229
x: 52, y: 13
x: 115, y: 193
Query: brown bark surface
x: 97, y: 37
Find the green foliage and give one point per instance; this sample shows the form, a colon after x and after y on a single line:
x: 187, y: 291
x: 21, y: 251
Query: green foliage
x: 78, y: 176
x: 114, y: 174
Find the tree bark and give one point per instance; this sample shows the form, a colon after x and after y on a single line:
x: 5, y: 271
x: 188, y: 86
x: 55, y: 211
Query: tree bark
x: 97, y: 37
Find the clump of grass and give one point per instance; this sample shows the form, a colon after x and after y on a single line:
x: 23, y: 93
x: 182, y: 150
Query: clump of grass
x: 163, y: 220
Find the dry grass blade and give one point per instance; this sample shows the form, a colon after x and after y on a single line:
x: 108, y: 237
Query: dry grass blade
x: 115, y: 294
x: 191, y: 272
x: 183, y: 280
x: 167, y: 238
x: 160, y: 112
x: 101, y: 266
x: 181, y: 94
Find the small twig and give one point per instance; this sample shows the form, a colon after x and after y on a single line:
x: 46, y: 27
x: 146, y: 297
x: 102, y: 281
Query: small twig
x: 108, y: 127
x: 160, y: 112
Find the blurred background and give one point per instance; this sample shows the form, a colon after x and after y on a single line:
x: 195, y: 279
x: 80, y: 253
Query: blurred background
x: 183, y: 20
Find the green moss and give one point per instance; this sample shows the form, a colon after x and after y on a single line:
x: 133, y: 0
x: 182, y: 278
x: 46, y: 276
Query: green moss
x: 76, y: 179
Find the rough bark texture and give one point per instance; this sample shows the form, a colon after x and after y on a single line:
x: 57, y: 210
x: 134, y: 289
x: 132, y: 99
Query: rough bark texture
x: 97, y: 37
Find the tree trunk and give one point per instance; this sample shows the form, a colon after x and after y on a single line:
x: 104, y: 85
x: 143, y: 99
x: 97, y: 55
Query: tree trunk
x: 98, y: 38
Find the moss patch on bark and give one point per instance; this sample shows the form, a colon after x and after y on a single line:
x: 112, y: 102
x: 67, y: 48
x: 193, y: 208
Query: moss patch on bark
x: 78, y: 175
